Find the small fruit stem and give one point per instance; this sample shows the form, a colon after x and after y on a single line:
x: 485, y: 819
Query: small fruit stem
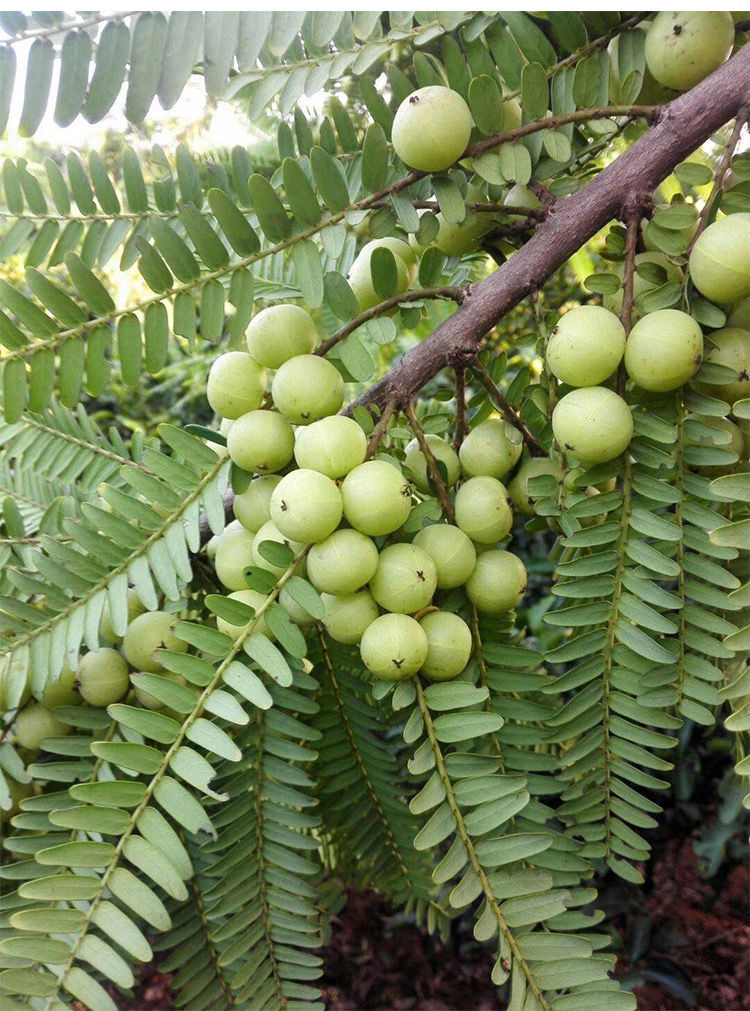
x: 380, y: 429
x: 461, y: 427
x: 442, y: 492
x: 501, y: 402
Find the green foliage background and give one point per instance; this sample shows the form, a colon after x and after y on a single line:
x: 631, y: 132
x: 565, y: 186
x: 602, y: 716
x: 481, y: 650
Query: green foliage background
x: 219, y: 831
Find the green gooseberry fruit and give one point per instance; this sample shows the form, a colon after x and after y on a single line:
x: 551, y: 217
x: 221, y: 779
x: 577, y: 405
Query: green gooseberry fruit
x: 448, y: 645
x: 251, y: 507
x: 394, y: 647
x: 103, y: 677
x: 211, y: 546
x: 683, y: 47
x: 664, y: 350
x: 342, y: 563
x: 107, y: 632
x: 236, y: 384
x: 278, y: 333
x: 405, y: 579
x: 431, y: 129
x: 586, y: 346
x: 261, y: 441
x: 148, y: 633
x: 720, y: 259
x: 732, y: 350
x: 492, y: 449
x: 63, y: 692
x: 400, y: 249
x: 306, y: 506
x: 497, y: 583
x: 511, y: 114
x: 641, y: 284
x: 333, y: 446
x: 307, y: 388
x: 740, y: 314
x: 593, y: 424
x: 255, y: 600
x: 730, y: 440
x: 377, y: 498
x: 36, y: 723
x: 234, y: 555
x: 518, y: 489
x: 522, y: 197
x: 416, y: 462
x: 296, y: 612
x: 348, y: 616
x: 451, y: 550
x: 456, y: 238
x: 361, y: 282
x: 270, y: 532
x: 483, y: 509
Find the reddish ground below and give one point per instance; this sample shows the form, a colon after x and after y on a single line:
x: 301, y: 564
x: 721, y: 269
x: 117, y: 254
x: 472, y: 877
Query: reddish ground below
x: 688, y: 944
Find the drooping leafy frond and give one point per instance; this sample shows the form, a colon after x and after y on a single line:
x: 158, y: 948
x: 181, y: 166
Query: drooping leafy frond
x: 358, y: 772
x: 142, y: 535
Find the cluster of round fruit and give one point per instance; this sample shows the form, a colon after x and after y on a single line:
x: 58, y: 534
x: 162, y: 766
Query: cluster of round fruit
x: 343, y: 516
x: 663, y: 351
x: 103, y: 675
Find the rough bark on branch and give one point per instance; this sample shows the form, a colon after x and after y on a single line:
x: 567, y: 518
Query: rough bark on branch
x: 681, y: 127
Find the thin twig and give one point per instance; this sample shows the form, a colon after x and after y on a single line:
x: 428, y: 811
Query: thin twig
x: 380, y: 429
x: 453, y: 293
x: 437, y: 478
x: 721, y: 171
x: 461, y: 427
x: 502, y: 403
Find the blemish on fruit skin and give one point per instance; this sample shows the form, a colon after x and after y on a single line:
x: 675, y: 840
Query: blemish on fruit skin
x: 677, y: 29
x: 283, y: 506
x: 398, y: 663
x: 568, y: 446
x: 414, y: 99
x: 420, y: 575
x: 743, y: 375
x: 698, y: 359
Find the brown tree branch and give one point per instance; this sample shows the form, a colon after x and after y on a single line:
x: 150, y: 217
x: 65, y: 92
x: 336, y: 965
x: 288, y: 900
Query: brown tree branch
x: 681, y: 127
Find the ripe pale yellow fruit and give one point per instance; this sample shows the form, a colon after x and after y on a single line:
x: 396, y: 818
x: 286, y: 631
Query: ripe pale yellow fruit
x: 416, y: 466
x: 483, y: 510
x: 593, y: 424
x: 405, y: 579
x: 497, y: 583
x: 451, y: 550
x: 394, y: 647
x: 307, y: 388
x: 683, y: 47
x: 280, y: 332
x: 251, y: 507
x: 586, y: 346
x: 333, y: 446
x: 261, y: 441
x: 664, y: 350
x: 234, y: 555
x: 103, y: 677
x: 148, y: 633
x: 236, y: 384
x: 377, y: 498
x: 492, y: 449
x: 35, y: 723
x: 348, y: 616
x: 431, y: 128
x: 449, y: 645
x: 306, y: 506
x: 720, y: 259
